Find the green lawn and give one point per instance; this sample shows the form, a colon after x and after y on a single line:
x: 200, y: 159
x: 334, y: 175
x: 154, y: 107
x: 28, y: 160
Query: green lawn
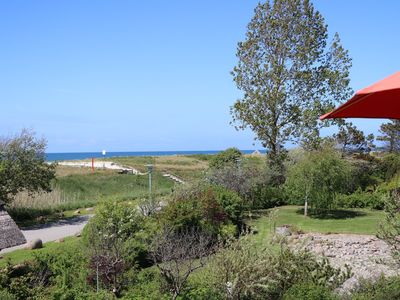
x: 356, y: 221
x: 21, y: 255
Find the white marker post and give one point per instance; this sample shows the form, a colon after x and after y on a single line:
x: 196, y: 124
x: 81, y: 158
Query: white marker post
x: 104, y: 155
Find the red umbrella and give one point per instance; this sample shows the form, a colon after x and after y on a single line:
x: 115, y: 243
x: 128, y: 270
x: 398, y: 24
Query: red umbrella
x: 380, y: 100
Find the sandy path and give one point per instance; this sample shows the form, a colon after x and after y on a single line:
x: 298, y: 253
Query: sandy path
x: 100, y: 165
x: 52, y: 231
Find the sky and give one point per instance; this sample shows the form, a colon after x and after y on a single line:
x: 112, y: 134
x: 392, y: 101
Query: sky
x: 154, y: 75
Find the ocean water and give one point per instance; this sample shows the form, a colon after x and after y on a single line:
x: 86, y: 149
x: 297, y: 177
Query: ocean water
x: 86, y: 155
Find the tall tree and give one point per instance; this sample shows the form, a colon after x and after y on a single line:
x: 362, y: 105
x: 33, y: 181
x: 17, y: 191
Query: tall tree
x: 391, y: 135
x: 289, y: 75
x: 23, y: 166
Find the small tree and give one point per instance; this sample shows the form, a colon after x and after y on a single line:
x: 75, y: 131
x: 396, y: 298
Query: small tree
x: 178, y: 254
x: 391, y: 135
x: 23, y: 166
x: 317, y: 178
x: 114, y: 242
x: 351, y: 139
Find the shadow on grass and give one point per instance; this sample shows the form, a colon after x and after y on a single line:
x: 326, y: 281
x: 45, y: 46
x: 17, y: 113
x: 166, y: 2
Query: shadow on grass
x: 334, y: 214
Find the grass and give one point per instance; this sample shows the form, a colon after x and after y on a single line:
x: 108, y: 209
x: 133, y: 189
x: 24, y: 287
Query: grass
x: 82, y: 189
x: 352, y: 221
x: 21, y: 255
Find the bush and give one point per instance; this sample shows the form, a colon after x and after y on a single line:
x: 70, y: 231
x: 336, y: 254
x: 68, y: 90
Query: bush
x: 309, y: 291
x: 268, y: 197
x: 244, y: 270
x: 115, y: 243
x: 203, y: 206
x: 390, y: 165
x: 251, y: 181
x: 4, y: 295
x: 383, y: 288
x: 147, y: 286
x: 225, y: 158
x: 360, y: 199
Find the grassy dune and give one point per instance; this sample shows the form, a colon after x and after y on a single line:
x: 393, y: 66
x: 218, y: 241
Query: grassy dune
x: 78, y: 187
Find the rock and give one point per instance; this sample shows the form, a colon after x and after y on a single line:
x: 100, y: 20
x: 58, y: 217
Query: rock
x: 283, y: 230
x: 90, y: 209
x: 61, y: 240
x: 77, y: 212
x: 78, y: 234
x: 35, y: 244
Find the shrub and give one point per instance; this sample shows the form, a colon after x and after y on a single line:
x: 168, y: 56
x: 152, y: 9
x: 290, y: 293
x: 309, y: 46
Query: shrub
x: 114, y: 239
x: 383, y: 288
x: 390, y: 228
x: 203, y: 206
x: 147, y: 285
x: 228, y: 157
x: 251, y: 181
x: 4, y: 295
x: 309, y: 291
x: 390, y: 165
x: 266, y: 196
x: 245, y: 271
x: 360, y: 199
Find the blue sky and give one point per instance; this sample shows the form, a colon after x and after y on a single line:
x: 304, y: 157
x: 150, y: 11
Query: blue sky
x: 153, y: 75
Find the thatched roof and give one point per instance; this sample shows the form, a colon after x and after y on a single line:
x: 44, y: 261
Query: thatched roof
x: 10, y: 235
x: 256, y: 153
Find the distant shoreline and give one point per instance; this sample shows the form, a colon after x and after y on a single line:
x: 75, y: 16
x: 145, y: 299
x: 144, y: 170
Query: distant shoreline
x: 87, y: 155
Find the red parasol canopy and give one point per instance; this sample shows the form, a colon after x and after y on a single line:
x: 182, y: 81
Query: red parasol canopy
x: 380, y: 100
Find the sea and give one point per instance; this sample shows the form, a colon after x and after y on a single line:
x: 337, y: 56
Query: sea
x: 87, y: 155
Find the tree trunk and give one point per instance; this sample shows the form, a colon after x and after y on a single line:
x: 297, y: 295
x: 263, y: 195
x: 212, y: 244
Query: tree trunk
x: 305, y: 207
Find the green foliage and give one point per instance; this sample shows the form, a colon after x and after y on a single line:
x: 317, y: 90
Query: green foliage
x: 351, y: 139
x: 317, y: 178
x: 390, y: 229
x: 245, y: 271
x: 231, y: 203
x: 309, y: 291
x: 147, y: 285
x: 383, y: 288
x: 4, y: 295
x: 391, y: 135
x: 61, y: 273
x: 268, y: 196
x: 115, y: 242
x: 390, y: 165
x: 360, y: 199
x: 23, y: 167
x: 203, y: 206
x: 100, y: 186
x: 229, y: 157
x: 288, y: 74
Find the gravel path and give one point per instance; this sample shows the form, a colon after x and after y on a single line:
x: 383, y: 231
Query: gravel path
x: 52, y: 231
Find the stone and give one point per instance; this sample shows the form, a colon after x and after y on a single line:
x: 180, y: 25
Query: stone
x: 90, y: 209
x: 283, y: 230
x: 61, y: 240
x: 35, y: 244
x: 77, y: 212
x: 78, y: 234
